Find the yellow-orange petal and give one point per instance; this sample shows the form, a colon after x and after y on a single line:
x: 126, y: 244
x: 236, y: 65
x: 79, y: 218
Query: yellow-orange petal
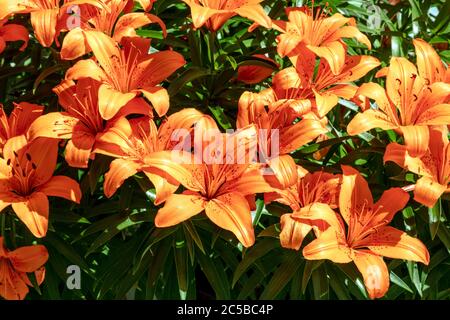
x: 179, y: 208
x: 374, y: 271
x: 33, y: 212
x: 231, y: 212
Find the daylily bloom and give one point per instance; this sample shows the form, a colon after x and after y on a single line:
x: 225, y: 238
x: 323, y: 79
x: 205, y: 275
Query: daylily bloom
x: 107, y: 20
x: 253, y: 74
x: 126, y: 71
x: 307, y: 34
x: 319, y: 91
x: 131, y: 141
x: 14, y: 266
x: 44, y: 14
x: 219, y: 187
x: 433, y: 166
x: 303, y: 197
x: 368, y: 237
x: 419, y: 105
x: 19, y: 120
x: 12, y: 32
x: 26, y: 180
x: 214, y: 13
x: 278, y: 134
x: 81, y: 121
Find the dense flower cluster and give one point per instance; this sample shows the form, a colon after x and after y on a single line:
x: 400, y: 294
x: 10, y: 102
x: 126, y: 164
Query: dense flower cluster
x: 113, y: 103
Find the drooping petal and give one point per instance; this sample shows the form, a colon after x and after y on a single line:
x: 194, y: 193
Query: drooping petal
x: 15, y: 32
x: 119, y: 171
x: 429, y: 63
x: 159, y: 98
x: 33, y: 212
x: 416, y: 139
x: 375, y: 273
x: 179, y: 208
x: 79, y: 149
x: 231, y: 212
x: 428, y: 191
x: 86, y: 69
x: 74, y: 45
x: 63, y: 187
x: 399, y: 154
x: 285, y: 170
x: 292, y: 232
x: 396, y: 244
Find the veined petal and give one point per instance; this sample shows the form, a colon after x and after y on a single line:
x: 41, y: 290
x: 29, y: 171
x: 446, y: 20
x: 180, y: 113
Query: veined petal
x: 368, y: 120
x: 44, y: 153
x: 374, y: 271
x: 354, y: 195
x: 179, y: 208
x: 396, y: 244
x: 399, y: 154
x: 428, y: 191
x: 435, y: 115
x: 79, y: 149
x: 333, y: 52
x: 350, y: 32
x: 44, y: 25
x: 292, y: 232
x: 319, y: 211
x: 325, y: 102
x: 33, y: 212
x: 58, y: 125
x: 300, y: 134
x: 119, y: 171
x: 63, y: 187
x: 416, y: 139
x: 231, y: 212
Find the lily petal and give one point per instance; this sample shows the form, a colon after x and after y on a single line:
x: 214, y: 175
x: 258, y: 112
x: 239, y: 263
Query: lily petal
x: 179, y: 208
x: 34, y: 213
x: 375, y: 273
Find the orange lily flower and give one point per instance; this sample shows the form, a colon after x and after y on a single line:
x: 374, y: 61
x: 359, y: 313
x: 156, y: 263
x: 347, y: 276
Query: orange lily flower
x: 131, y: 141
x: 307, y: 34
x: 108, y: 21
x: 432, y: 166
x: 279, y: 120
x: 218, y: 188
x: 126, y: 71
x: 304, y: 198
x: 368, y: 238
x: 146, y: 4
x: 81, y: 121
x: 254, y: 74
x: 214, y: 13
x: 19, y: 120
x: 319, y: 91
x: 14, y: 266
x: 44, y: 15
x: 12, y: 32
x: 26, y: 180
x: 419, y: 105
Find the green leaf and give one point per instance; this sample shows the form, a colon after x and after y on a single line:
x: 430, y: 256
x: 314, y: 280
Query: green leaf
x: 434, y: 215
